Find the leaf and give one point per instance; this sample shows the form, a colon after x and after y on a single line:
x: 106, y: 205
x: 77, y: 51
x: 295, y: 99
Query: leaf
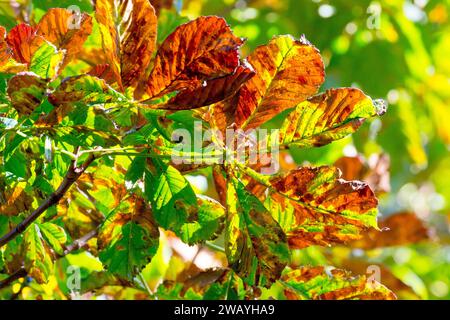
x: 211, y: 91
x: 317, y: 283
x: 65, y: 30
x: 205, y: 224
x: 129, y: 30
x: 198, y: 51
x: 46, y: 61
x: 172, y: 198
x: 374, y: 171
x: 255, y: 244
x: 288, y: 72
x: 327, y: 117
x: 128, y: 239
x: 23, y: 42
x: 314, y: 206
x: 396, y: 230
x: 38, y: 262
x: 14, y: 200
x: 26, y: 91
x: 85, y: 89
x: 54, y: 235
x: 7, y: 62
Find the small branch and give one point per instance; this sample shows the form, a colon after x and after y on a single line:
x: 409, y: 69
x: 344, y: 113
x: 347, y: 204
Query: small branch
x: 72, y: 175
x: 15, y: 276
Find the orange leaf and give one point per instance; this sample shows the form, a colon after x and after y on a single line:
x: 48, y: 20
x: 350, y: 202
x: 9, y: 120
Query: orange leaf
x: 65, y: 31
x: 198, y: 51
x: 7, y: 63
x: 128, y: 29
x: 288, y: 72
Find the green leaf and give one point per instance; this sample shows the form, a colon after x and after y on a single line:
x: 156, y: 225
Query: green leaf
x: 172, y: 198
x: 256, y: 246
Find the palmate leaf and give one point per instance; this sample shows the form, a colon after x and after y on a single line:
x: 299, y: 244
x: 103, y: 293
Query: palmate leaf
x: 26, y: 91
x: 37, y: 261
x: 129, y: 238
x: 317, y: 283
x: 314, y: 206
x: 193, y: 55
x: 288, y: 71
x: 129, y: 30
x: 255, y: 244
x: 327, y: 117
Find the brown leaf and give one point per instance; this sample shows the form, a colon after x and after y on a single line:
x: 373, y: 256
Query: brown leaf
x: 396, y: 230
x: 198, y: 51
x: 128, y: 29
x: 7, y: 62
x: 288, y: 72
x: 26, y: 91
x: 314, y: 206
x: 65, y: 31
x: 161, y: 4
x: 103, y: 71
x: 317, y: 283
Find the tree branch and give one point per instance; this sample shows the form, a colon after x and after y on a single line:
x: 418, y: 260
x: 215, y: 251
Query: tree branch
x: 72, y: 175
x: 15, y: 276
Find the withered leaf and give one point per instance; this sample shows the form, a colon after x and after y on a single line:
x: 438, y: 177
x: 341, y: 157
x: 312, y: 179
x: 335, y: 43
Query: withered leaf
x: 65, y: 30
x: 330, y: 116
x: 288, y: 72
x: 314, y: 206
x: 26, y: 91
x: 198, y: 51
x: 255, y: 244
x: 128, y: 29
x: 317, y: 283
x: 398, y: 229
x: 14, y: 201
x: 374, y: 171
x: 129, y: 238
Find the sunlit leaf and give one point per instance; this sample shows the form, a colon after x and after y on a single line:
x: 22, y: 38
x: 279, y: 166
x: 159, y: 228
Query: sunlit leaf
x: 328, y: 117
x: 128, y: 239
x: 314, y: 206
x: 7, y: 62
x: 24, y: 42
x: 320, y: 284
x: 26, y: 91
x: 288, y: 72
x: 128, y: 29
x: 38, y: 261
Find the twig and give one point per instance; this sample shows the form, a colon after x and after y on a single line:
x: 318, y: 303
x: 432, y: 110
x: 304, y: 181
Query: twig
x: 72, y: 175
x: 15, y: 276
